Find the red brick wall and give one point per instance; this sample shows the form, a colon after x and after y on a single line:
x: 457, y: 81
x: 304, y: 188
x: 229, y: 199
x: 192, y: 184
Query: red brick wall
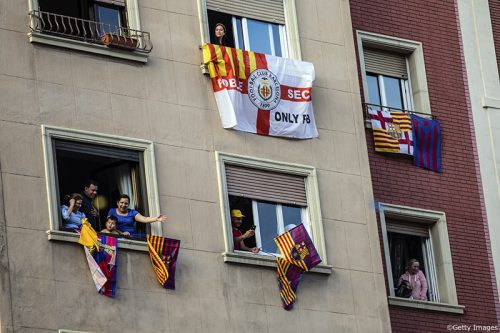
x: 495, y: 23
x: 456, y: 191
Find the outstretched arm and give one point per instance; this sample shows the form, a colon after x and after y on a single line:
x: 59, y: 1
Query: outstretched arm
x: 144, y: 219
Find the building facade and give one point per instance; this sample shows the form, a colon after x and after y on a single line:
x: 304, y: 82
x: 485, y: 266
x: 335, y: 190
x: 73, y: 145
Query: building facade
x: 113, y: 90
x: 419, y: 56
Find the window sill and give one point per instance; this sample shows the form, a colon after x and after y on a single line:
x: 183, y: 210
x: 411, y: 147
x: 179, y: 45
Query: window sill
x: 123, y: 243
x: 426, y: 305
x: 266, y: 261
x: 40, y: 38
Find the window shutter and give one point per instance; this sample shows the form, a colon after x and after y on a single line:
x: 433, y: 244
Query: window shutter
x: 407, y: 228
x: 385, y: 63
x: 266, y: 185
x: 269, y: 11
x: 97, y: 150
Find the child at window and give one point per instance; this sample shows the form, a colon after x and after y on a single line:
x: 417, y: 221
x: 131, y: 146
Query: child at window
x: 70, y: 210
x: 111, y: 222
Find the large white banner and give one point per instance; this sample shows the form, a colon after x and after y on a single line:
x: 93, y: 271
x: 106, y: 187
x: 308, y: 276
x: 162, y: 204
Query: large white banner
x: 260, y: 93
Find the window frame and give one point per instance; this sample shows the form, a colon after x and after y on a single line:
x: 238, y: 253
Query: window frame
x: 417, y: 78
x: 133, y: 22
x: 146, y: 148
x: 438, y: 233
x: 291, y: 32
x: 313, y: 207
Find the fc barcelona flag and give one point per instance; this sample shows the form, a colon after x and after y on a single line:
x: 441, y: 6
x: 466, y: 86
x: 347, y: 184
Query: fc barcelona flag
x: 297, y: 248
x: 392, y: 131
x: 260, y: 93
x: 163, y: 253
x: 427, y: 143
x: 289, y: 277
x: 100, y: 252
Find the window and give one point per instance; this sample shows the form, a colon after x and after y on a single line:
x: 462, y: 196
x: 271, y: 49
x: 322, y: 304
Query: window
x: 393, y: 73
x: 412, y: 233
x: 274, y: 197
x: 100, y: 26
x: 266, y: 27
x: 119, y: 165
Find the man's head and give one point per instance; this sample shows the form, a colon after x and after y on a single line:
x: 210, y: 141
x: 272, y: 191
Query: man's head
x: 236, y: 218
x: 111, y: 222
x: 90, y: 189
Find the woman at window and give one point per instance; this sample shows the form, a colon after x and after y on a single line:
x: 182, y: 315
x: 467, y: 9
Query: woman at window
x: 127, y: 217
x: 416, y: 279
x: 72, y: 217
x: 220, y: 33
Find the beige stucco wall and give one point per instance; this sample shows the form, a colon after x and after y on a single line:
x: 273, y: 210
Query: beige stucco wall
x: 484, y: 89
x: 46, y: 285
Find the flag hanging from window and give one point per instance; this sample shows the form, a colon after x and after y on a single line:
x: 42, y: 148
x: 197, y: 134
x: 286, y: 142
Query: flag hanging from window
x: 299, y: 255
x: 163, y: 253
x: 426, y: 143
x: 392, y: 131
x: 100, y: 251
x: 297, y: 248
x: 289, y: 277
x: 260, y: 93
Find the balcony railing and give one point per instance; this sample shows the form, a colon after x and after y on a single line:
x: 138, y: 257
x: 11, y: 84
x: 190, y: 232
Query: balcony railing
x: 92, y: 32
x: 367, y: 106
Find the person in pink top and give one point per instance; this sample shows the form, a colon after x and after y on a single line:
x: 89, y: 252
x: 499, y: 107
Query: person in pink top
x: 416, y: 280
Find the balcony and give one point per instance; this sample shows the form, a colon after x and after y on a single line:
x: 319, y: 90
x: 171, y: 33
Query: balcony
x: 369, y: 106
x: 90, y: 36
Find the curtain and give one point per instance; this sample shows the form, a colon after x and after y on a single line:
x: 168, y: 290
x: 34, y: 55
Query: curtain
x: 124, y: 181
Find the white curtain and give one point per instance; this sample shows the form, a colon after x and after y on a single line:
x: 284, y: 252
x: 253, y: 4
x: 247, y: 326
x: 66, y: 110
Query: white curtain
x: 124, y: 181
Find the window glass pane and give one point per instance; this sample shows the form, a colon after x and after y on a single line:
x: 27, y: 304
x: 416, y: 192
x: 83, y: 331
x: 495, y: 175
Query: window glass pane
x: 277, y: 41
x: 291, y: 217
x: 268, y: 226
x: 239, y: 32
x: 258, y: 34
x: 393, y: 94
x: 373, y: 89
x: 109, y: 19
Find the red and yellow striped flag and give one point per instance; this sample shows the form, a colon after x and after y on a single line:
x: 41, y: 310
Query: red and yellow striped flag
x: 392, y: 132
x: 163, y: 253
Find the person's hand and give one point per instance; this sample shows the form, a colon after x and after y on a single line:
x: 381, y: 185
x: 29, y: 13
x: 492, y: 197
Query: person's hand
x: 249, y: 233
x: 125, y: 233
x: 161, y: 218
x: 72, y: 202
x: 255, y: 250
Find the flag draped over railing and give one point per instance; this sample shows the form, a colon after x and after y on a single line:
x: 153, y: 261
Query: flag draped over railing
x: 163, y: 253
x: 299, y: 256
x: 405, y: 133
x: 427, y: 143
x: 260, y: 93
x: 100, y: 251
x: 392, y: 131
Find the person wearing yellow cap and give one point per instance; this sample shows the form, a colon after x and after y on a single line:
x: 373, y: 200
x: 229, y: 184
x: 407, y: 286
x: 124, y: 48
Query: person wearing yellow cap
x: 238, y: 236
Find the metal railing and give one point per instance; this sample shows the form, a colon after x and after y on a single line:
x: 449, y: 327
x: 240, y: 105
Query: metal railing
x: 367, y: 106
x: 90, y: 31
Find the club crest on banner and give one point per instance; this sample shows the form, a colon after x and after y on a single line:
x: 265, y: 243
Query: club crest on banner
x: 299, y: 251
x: 264, y: 89
x: 394, y: 130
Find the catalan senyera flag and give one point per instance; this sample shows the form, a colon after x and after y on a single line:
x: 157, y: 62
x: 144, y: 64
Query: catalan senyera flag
x: 426, y: 143
x: 260, y: 93
x: 297, y: 248
x: 163, y: 253
x: 392, y: 131
x: 289, y: 277
x: 100, y: 252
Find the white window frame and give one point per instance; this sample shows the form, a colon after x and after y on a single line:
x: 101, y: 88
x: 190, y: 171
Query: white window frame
x: 313, y: 208
x: 417, y: 78
x: 436, y: 221
x: 133, y: 22
x: 146, y: 148
x: 246, y: 37
x: 279, y: 216
x: 405, y: 92
x: 289, y: 33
